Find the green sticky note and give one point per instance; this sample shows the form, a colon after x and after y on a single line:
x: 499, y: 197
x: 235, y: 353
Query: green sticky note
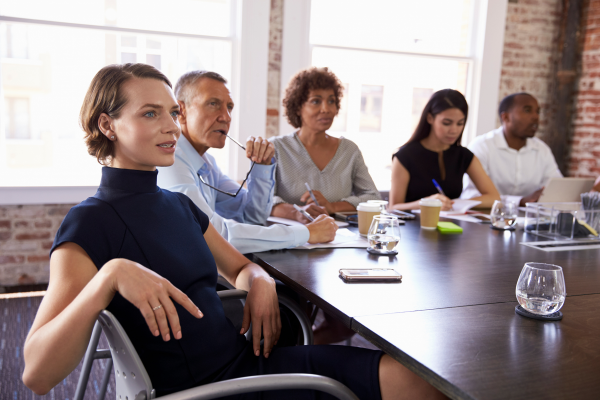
x: 448, y: 227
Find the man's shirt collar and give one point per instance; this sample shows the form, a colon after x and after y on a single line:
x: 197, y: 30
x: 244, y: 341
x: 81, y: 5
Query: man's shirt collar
x: 200, y: 164
x: 501, y: 143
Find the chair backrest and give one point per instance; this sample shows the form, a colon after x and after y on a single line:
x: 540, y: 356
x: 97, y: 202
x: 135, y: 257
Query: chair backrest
x: 131, y: 378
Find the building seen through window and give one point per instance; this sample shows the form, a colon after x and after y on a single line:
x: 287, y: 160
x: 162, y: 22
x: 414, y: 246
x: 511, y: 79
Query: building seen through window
x: 46, y: 70
x: 392, y: 55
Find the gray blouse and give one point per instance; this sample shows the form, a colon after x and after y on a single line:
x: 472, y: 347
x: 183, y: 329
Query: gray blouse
x: 345, y: 178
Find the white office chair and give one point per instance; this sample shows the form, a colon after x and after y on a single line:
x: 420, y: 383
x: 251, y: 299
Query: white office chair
x: 133, y: 382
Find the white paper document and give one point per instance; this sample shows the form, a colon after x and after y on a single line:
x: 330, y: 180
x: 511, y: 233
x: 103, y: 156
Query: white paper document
x: 292, y: 222
x: 344, y: 238
x: 459, y: 206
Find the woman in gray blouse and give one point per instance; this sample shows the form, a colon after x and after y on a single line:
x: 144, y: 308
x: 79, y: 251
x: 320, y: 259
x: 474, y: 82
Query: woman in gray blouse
x: 334, y: 168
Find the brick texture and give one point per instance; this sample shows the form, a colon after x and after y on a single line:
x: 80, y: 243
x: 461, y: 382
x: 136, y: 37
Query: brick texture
x: 531, y: 52
x: 585, y: 144
x: 274, y: 74
x: 26, y: 234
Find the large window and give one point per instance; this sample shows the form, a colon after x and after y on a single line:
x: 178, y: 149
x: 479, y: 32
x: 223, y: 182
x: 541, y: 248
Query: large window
x: 49, y: 52
x: 391, y: 56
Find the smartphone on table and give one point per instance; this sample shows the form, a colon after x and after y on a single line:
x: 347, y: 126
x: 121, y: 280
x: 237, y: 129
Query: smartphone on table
x: 366, y: 275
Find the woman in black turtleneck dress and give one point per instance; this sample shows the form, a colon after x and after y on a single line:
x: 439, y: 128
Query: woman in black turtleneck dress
x: 151, y: 257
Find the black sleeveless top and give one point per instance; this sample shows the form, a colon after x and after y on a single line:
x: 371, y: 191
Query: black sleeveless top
x: 423, y: 166
x: 131, y: 217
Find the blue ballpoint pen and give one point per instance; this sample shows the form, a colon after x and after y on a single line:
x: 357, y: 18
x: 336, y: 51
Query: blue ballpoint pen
x: 438, y: 187
x: 311, y: 194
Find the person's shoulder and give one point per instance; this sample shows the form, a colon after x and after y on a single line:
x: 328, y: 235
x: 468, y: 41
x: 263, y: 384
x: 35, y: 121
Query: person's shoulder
x: 539, y: 144
x: 484, y: 140
x: 408, y: 148
x: 348, y: 145
x: 283, y: 140
x: 90, y: 210
x: 184, y: 200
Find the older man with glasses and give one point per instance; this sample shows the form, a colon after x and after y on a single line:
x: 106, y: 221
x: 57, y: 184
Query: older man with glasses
x: 237, y: 213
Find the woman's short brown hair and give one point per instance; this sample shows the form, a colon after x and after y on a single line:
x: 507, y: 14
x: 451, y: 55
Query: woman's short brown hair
x: 296, y: 94
x: 105, y: 96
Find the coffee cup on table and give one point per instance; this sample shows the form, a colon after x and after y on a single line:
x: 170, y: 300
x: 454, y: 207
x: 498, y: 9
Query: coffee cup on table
x: 430, y: 213
x: 382, y: 203
x: 366, y: 212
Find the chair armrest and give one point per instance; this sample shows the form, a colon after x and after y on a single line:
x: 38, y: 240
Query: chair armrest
x: 302, y: 318
x: 264, y: 383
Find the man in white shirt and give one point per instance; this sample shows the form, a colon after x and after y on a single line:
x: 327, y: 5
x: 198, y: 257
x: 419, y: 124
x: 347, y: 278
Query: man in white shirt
x: 518, y: 163
x: 205, y: 118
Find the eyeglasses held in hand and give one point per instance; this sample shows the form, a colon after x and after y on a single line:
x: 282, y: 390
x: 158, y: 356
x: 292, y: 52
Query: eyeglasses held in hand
x: 243, y: 182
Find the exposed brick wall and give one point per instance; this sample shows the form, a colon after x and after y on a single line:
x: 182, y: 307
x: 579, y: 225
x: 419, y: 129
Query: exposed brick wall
x: 274, y: 74
x: 531, y: 52
x: 26, y: 235
x: 585, y: 144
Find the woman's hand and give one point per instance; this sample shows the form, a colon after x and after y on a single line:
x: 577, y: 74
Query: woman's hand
x: 446, y: 202
x: 147, y: 290
x: 262, y: 309
x: 323, y: 202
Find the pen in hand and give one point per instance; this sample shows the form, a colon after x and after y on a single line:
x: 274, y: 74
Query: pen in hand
x: 311, y: 194
x: 303, y: 212
x: 439, y: 189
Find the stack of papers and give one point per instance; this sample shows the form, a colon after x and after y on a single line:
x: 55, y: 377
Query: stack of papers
x: 459, y: 206
x: 292, y: 222
x: 344, y: 238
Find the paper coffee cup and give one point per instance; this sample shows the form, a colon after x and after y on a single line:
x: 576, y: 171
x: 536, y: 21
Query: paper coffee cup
x: 430, y: 213
x: 382, y: 203
x: 366, y: 212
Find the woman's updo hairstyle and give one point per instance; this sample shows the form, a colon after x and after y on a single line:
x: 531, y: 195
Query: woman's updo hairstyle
x: 440, y: 101
x: 296, y: 93
x: 105, y: 96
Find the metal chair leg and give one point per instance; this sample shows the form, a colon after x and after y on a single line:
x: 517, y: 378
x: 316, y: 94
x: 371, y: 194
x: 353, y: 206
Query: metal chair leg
x: 107, y: 373
x: 87, y: 363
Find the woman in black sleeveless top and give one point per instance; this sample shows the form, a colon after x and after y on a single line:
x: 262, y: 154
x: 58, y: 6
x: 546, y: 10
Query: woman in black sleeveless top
x: 151, y: 257
x: 434, y: 153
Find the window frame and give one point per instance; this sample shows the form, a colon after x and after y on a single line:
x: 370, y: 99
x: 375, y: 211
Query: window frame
x: 250, y: 43
x: 488, y: 19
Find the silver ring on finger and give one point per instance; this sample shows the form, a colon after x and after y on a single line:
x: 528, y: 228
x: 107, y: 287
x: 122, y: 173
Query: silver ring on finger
x: 157, y: 307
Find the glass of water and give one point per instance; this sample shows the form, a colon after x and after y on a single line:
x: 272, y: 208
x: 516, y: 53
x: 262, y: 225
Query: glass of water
x: 384, y: 235
x: 541, y: 288
x: 504, y: 214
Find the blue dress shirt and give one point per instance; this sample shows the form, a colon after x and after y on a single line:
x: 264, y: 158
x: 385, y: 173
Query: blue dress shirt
x: 231, y: 216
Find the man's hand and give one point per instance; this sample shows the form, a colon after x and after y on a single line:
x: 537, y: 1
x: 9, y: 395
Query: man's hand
x: 312, y: 209
x: 531, y: 198
x: 262, y: 309
x: 322, y: 229
x: 260, y: 150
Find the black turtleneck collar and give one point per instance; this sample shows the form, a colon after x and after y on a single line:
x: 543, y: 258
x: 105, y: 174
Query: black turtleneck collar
x: 129, y: 180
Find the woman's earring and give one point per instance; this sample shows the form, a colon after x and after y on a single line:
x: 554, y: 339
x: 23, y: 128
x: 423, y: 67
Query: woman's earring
x: 112, y: 137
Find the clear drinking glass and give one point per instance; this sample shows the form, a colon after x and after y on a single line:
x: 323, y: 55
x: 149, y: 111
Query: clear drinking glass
x: 541, y: 288
x: 504, y: 214
x: 383, y: 235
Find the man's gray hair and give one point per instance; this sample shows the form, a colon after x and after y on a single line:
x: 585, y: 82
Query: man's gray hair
x: 183, y: 87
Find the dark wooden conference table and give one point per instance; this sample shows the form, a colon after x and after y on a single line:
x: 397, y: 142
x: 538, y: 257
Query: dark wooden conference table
x: 452, y: 319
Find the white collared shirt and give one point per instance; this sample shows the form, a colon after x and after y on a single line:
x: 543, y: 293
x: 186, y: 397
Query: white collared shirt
x: 231, y: 216
x: 516, y: 173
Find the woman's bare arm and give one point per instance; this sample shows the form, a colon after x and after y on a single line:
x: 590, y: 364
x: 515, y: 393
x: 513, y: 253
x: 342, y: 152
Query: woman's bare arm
x: 77, y: 293
x: 262, y: 306
x: 483, y: 183
x: 400, y: 179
